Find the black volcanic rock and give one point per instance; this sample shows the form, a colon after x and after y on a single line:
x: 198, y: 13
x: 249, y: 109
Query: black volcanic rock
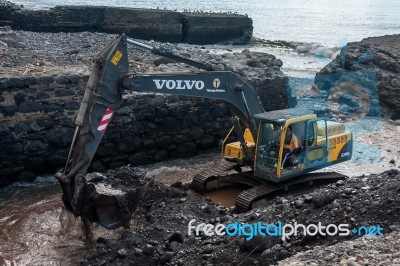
x: 370, y: 67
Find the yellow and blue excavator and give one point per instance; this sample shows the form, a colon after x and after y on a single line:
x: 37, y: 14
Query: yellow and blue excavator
x: 274, y: 150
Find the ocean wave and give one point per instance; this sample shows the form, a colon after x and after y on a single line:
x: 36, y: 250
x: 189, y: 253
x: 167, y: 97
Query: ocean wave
x: 316, y: 49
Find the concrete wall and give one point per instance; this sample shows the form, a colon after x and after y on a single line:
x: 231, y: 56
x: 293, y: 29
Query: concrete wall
x: 160, y: 25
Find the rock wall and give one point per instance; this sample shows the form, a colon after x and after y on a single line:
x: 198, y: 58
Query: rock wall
x: 37, y: 115
x: 368, y: 70
x: 37, y: 127
x: 146, y: 24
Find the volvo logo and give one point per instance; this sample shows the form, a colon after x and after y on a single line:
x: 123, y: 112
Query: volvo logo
x: 171, y: 84
x: 216, y: 83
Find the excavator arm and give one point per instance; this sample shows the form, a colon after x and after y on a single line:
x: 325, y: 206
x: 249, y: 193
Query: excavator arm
x: 103, y: 95
x: 225, y: 86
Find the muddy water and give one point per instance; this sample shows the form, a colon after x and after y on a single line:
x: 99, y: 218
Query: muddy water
x: 225, y: 196
x: 34, y: 230
x: 31, y: 233
x: 181, y: 170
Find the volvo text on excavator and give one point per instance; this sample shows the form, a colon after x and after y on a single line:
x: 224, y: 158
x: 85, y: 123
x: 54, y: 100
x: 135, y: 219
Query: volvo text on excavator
x: 274, y: 150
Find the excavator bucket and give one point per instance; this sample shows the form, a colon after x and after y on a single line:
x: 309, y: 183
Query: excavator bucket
x: 114, y: 211
x: 108, y: 213
x: 110, y: 202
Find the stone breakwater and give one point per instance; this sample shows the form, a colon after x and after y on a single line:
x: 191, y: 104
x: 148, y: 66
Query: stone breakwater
x: 37, y: 113
x: 146, y: 24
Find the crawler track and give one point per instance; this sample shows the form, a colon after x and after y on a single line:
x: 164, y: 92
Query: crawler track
x: 222, y: 175
x: 246, y: 199
x: 200, y: 181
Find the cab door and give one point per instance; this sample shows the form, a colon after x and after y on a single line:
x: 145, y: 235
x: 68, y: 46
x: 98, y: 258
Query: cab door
x: 316, y: 148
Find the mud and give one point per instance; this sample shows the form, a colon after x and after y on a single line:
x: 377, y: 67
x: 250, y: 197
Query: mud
x: 225, y: 196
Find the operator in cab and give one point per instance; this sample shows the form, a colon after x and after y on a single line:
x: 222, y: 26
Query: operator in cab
x: 290, y: 148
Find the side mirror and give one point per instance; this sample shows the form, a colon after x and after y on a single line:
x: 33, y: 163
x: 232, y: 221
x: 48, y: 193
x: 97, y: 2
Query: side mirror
x: 310, y: 133
x: 310, y: 141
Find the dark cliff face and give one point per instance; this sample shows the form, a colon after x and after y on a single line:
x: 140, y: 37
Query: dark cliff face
x: 370, y: 68
x: 146, y: 24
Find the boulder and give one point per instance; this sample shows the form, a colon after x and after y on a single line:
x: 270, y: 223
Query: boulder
x: 369, y: 67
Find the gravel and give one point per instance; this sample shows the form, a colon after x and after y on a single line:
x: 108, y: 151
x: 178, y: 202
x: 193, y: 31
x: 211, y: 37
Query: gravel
x: 162, y: 221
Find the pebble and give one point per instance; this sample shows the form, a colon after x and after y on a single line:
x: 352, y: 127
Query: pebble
x: 352, y: 263
x: 340, y: 183
x: 148, y: 249
x: 299, y: 203
x: 348, y: 191
x: 173, y: 246
x: 176, y: 236
x: 395, y: 82
x: 206, y: 256
x: 308, y: 199
x: 395, y: 227
x: 122, y: 253
x: 166, y: 257
x: 208, y: 249
x: 138, y: 252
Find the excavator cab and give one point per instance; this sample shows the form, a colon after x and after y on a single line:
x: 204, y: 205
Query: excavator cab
x: 294, y: 142
x: 274, y: 160
x: 290, y: 142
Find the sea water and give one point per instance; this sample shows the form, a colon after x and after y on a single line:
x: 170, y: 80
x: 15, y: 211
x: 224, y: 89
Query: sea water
x: 304, y: 34
x: 326, y: 22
